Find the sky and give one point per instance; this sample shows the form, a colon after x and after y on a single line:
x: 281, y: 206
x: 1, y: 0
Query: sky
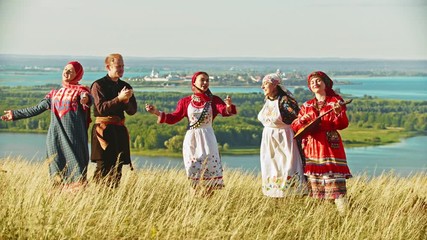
x: 374, y: 29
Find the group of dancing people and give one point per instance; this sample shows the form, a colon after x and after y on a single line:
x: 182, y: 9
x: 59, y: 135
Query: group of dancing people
x: 313, y: 163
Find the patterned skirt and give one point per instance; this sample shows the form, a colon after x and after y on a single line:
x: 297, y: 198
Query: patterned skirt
x: 327, y: 187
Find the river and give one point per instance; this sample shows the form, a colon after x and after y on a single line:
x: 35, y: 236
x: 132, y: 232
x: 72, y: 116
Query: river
x: 404, y: 158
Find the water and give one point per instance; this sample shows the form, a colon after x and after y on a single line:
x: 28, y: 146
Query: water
x: 403, y: 88
x: 404, y: 158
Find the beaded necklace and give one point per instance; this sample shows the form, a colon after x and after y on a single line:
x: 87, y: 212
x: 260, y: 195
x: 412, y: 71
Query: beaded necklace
x: 202, y: 115
x: 195, y: 98
x: 319, y: 105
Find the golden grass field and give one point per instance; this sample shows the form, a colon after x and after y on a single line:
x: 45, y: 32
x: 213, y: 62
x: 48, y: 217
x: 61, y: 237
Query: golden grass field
x: 156, y: 204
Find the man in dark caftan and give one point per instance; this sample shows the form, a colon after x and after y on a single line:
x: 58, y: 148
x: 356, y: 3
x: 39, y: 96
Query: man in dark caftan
x: 110, y: 138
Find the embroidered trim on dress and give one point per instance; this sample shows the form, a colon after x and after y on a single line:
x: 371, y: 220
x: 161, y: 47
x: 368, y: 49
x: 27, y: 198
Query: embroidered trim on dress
x: 201, y: 118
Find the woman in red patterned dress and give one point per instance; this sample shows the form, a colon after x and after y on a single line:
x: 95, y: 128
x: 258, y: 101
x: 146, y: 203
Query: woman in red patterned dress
x: 66, y: 140
x: 326, y: 166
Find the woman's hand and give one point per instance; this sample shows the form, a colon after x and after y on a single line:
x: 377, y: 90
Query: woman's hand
x: 8, y: 116
x: 152, y: 109
x: 84, y: 99
x: 307, y: 118
x: 228, y: 101
x: 337, y: 108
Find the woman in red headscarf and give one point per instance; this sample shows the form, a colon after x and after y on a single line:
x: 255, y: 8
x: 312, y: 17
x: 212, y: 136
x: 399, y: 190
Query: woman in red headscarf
x: 326, y: 166
x: 67, y: 139
x: 200, y: 149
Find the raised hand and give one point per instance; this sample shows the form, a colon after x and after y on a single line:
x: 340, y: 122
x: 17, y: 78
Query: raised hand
x: 152, y: 109
x: 84, y: 99
x: 227, y: 101
x: 125, y: 94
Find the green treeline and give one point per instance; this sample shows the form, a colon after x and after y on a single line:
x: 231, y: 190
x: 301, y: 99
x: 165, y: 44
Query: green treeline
x: 241, y: 131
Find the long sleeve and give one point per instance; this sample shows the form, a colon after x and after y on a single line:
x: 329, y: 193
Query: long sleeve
x: 296, y: 124
x: 220, y: 107
x: 330, y: 121
x: 333, y: 121
x: 104, y: 105
x: 106, y: 102
x: 288, y: 109
x: 131, y: 106
x: 300, y: 122
x: 31, y: 111
x: 179, y: 113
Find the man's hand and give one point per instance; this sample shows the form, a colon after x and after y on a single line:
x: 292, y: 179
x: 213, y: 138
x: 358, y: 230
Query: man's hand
x: 125, y: 94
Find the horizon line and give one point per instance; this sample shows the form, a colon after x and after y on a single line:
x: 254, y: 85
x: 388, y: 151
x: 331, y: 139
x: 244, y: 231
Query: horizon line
x: 219, y: 58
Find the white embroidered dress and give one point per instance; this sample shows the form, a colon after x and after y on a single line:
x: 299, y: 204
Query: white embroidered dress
x: 281, y: 165
x: 200, y: 151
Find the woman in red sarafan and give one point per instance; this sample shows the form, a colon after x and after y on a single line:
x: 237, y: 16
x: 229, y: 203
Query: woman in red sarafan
x: 326, y: 165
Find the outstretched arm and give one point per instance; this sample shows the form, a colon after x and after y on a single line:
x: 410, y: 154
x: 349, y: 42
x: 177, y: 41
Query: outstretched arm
x: 170, y: 118
x: 26, y: 112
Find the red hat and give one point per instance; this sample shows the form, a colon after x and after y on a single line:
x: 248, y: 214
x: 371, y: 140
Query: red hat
x: 79, y: 70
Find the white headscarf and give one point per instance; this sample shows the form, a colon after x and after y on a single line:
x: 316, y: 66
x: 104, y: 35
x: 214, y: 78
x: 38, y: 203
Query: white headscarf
x: 276, y: 80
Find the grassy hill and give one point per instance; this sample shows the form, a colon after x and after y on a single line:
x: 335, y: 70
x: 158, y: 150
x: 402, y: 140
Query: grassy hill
x: 156, y: 204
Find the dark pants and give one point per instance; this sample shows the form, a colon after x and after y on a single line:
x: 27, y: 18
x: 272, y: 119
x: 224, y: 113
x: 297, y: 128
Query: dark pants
x: 109, y: 161
x: 107, y: 172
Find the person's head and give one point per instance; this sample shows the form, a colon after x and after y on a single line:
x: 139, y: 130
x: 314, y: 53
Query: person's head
x: 72, y: 73
x: 115, y: 66
x: 320, y: 83
x: 272, y: 85
x: 200, y: 82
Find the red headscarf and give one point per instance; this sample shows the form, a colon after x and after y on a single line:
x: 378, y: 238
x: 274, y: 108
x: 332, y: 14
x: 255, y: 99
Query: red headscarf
x: 328, y: 83
x: 204, y: 96
x: 79, y: 71
x: 195, y: 75
x: 67, y: 98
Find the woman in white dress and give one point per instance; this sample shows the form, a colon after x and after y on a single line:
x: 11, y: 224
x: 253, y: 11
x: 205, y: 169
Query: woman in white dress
x: 281, y: 161
x: 200, y: 148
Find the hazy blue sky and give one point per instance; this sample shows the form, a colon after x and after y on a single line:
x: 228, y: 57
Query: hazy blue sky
x: 388, y: 29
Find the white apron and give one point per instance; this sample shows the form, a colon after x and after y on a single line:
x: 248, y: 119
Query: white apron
x: 200, y: 151
x: 281, y: 165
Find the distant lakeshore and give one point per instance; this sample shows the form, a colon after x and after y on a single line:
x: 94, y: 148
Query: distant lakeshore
x: 395, y: 80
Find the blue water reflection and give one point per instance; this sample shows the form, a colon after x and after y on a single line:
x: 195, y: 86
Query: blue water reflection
x: 404, y: 158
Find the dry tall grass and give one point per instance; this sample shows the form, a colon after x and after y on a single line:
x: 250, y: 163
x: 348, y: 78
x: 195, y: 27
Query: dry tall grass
x: 156, y: 204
